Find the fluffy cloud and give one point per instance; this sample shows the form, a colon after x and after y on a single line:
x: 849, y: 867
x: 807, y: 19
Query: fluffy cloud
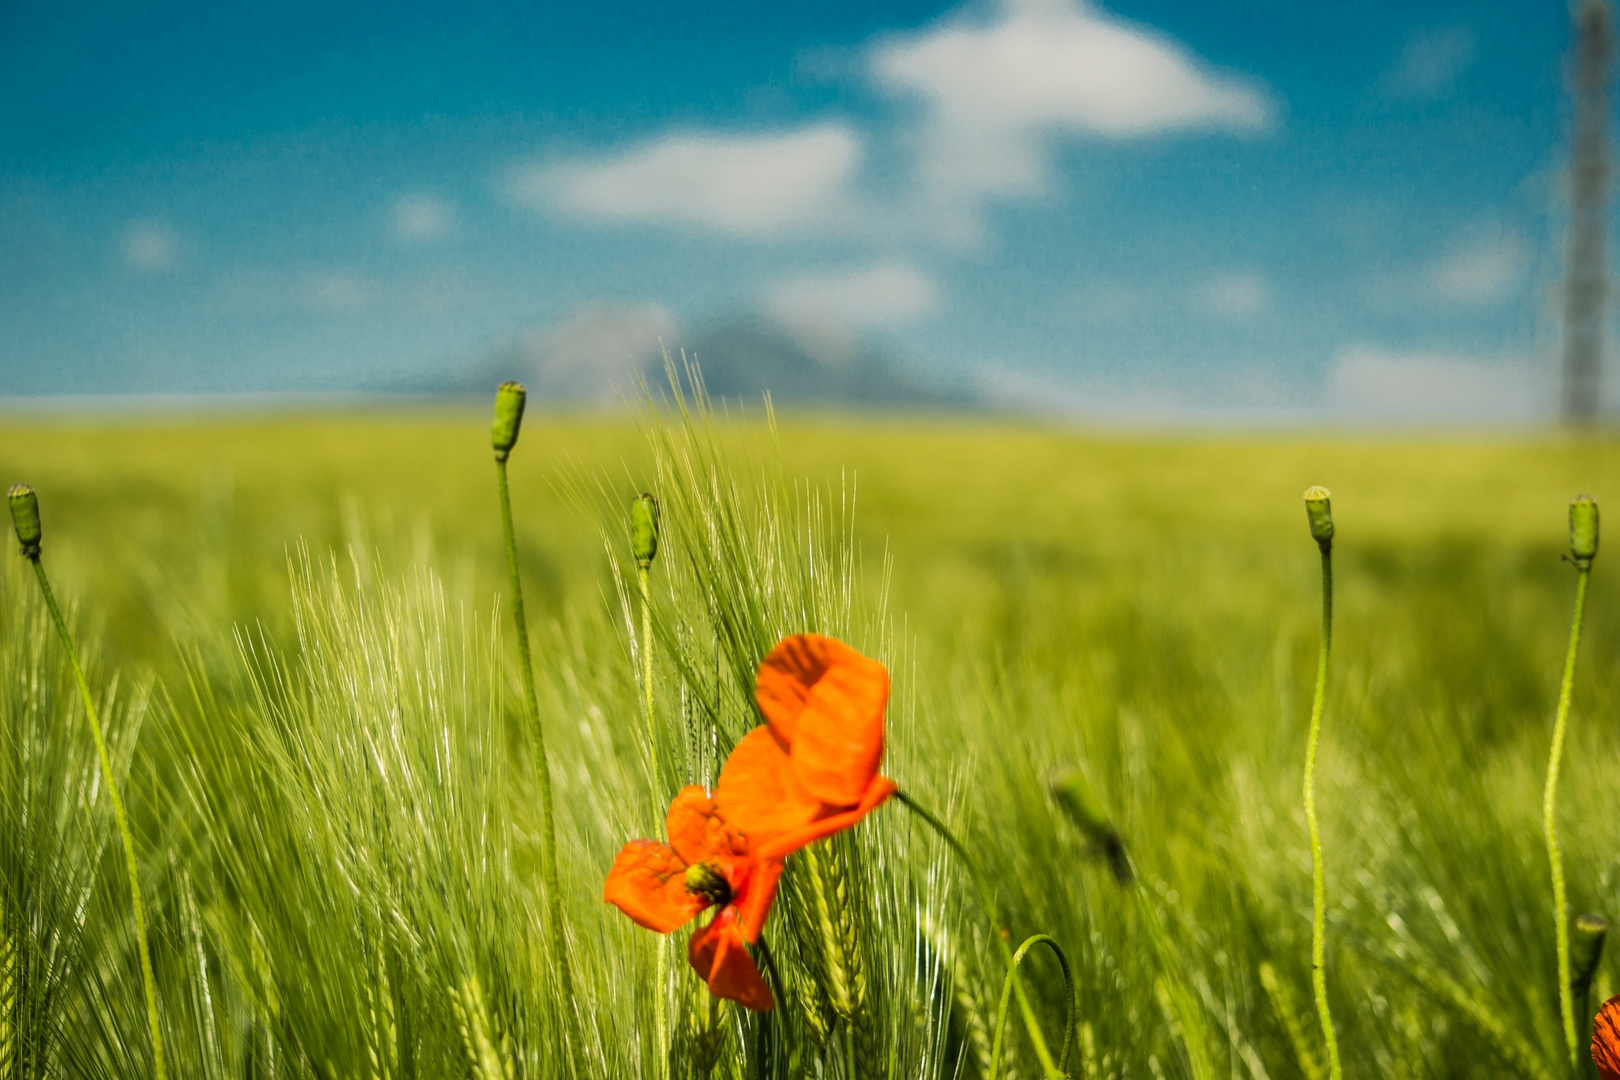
x: 1430, y: 65
x: 745, y: 185
x: 149, y: 246
x: 420, y: 218
x: 995, y: 87
x: 1379, y: 384
x: 830, y: 312
x: 1484, y: 271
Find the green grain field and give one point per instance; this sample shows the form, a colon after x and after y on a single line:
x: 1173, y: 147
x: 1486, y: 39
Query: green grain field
x: 298, y: 631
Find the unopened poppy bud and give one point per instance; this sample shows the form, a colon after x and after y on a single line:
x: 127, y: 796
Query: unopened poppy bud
x: 1585, y: 951
x: 1074, y: 795
x: 509, y: 401
x: 25, y: 517
x: 644, y: 529
x: 1319, y: 512
x: 1583, y: 530
x: 705, y: 881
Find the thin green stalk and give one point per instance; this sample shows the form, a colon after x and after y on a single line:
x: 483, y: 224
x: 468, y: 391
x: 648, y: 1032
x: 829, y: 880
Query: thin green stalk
x: 122, y: 820
x: 548, y: 826
x: 997, y: 929
x: 647, y: 666
x: 1318, y: 879
x: 1549, y: 808
x: 1006, y: 992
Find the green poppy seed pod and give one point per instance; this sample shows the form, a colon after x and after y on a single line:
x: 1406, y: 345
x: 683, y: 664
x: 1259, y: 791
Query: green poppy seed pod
x: 1583, y: 530
x: 1319, y: 512
x: 1585, y: 951
x: 25, y: 516
x: 705, y: 881
x: 509, y: 401
x: 644, y: 529
x: 1076, y: 798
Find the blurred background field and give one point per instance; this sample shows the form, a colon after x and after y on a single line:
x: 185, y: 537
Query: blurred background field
x: 1144, y: 606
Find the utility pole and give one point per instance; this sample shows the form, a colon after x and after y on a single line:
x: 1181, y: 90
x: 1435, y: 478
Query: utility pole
x: 1587, y: 288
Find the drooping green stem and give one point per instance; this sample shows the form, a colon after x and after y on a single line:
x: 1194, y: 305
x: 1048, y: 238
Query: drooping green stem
x: 122, y: 820
x: 1007, y: 988
x: 548, y: 824
x: 1318, y: 879
x: 647, y: 666
x: 1549, y: 813
x: 997, y: 931
x: 780, y: 989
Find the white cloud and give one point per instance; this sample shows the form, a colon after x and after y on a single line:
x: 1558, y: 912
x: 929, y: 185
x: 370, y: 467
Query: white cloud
x: 591, y: 355
x: 994, y: 88
x: 831, y: 311
x: 1234, y: 296
x: 745, y: 185
x: 1431, y: 64
x: 1382, y: 384
x: 420, y: 218
x: 150, y: 246
x: 1484, y: 271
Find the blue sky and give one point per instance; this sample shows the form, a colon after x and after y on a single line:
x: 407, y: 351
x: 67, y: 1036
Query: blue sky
x: 1143, y: 207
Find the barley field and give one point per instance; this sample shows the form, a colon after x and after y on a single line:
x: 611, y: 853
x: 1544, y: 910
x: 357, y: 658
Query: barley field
x: 297, y: 630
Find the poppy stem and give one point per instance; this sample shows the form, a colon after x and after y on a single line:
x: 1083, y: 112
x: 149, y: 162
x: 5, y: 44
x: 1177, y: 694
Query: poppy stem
x: 131, y: 866
x: 647, y: 666
x: 1006, y: 993
x: 1549, y: 811
x: 1318, y: 877
x: 781, y: 999
x: 999, y: 931
x: 548, y: 845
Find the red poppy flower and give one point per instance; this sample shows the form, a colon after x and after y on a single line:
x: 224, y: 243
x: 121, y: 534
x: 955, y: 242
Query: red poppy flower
x: 812, y: 768
x: 1606, y: 1040
x: 705, y: 864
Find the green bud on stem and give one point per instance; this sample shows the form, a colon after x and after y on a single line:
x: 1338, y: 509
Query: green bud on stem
x: 644, y: 529
x: 1076, y: 798
x: 1586, y: 950
x: 1319, y: 512
x: 25, y: 517
x: 1583, y: 531
x: 509, y: 401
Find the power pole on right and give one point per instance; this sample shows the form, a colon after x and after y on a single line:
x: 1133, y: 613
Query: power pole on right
x: 1586, y: 290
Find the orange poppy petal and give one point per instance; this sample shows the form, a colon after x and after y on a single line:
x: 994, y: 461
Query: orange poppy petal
x: 1606, y: 1040
x: 787, y: 675
x: 754, y: 903
x: 838, y: 745
x: 718, y: 955
x: 648, y: 883
x: 783, y: 845
x: 697, y: 830
x: 756, y: 791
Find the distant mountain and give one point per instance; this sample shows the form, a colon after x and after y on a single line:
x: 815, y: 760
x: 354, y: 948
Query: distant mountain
x: 743, y: 358
x: 593, y: 358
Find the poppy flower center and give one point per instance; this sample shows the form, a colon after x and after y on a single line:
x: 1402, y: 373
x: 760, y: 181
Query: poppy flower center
x: 702, y: 879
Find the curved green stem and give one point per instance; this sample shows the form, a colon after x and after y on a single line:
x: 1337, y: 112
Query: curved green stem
x: 997, y: 931
x: 548, y: 825
x: 1006, y: 993
x: 122, y: 820
x: 1549, y: 814
x: 1318, y: 880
